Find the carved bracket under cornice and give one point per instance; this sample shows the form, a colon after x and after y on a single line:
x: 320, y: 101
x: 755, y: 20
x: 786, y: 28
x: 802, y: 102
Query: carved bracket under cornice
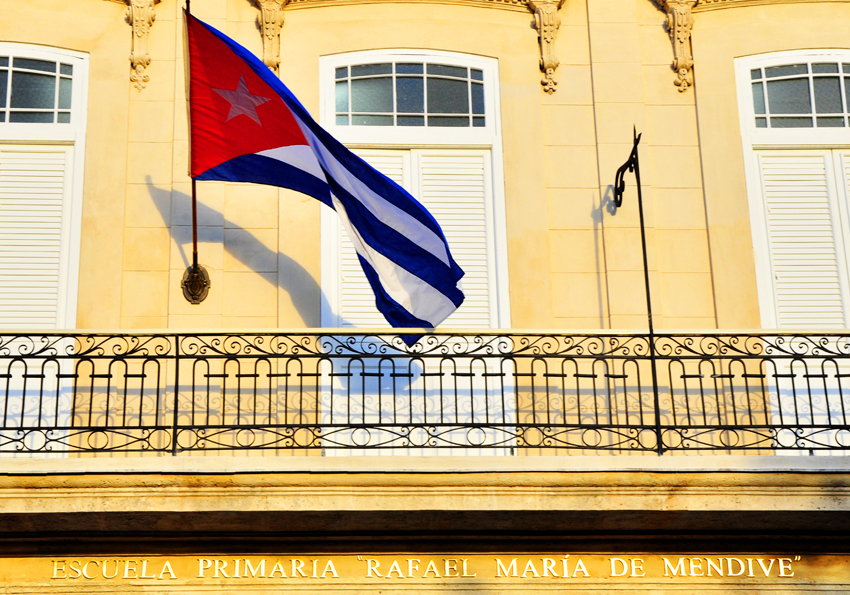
x: 680, y: 21
x: 547, y: 21
x: 271, y: 20
x: 140, y: 15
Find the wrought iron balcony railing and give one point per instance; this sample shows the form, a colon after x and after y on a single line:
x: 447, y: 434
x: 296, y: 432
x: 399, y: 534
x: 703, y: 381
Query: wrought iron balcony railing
x: 499, y: 393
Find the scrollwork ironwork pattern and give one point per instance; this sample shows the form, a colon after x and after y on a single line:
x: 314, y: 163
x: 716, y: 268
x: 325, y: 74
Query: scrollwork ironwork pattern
x: 367, y: 392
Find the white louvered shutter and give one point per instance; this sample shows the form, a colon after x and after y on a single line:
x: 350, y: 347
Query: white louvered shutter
x: 33, y: 195
x: 804, y: 235
x: 454, y: 186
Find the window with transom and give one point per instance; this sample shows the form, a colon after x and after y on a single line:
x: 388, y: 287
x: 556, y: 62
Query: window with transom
x: 794, y: 109
x: 42, y: 136
x: 429, y: 121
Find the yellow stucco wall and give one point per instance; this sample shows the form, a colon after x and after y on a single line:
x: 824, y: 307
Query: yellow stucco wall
x: 719, y: 37
x: 617, y: 75
x: 573, y: 263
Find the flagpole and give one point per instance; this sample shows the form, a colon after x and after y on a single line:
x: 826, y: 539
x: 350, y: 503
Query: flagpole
x: 633, y: 165
x: 194, y: 226
x: 196, y: 280
x: 194, y: 189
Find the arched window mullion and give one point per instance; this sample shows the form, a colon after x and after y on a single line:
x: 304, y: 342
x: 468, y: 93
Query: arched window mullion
x: 776, y: 81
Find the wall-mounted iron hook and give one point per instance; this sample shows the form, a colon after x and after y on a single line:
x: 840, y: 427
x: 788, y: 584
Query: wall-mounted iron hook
x: 630, y: 165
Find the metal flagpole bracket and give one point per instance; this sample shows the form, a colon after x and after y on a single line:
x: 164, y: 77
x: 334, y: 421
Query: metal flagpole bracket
x: 196, y: 279
x: 619, y: 180
x: 633, y: 165
x: 195, y: 284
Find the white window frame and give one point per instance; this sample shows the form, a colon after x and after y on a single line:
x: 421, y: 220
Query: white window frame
x: 409, y: 136
x: 487, y: 137
x: 72, y: 135
x: 755, y: 139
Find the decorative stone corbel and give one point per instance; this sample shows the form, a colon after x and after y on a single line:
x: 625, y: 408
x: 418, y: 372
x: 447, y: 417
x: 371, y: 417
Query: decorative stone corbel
x: 271, y: 20
x: 680, y: 21
x: 547, y: 21
x: 141, y: 15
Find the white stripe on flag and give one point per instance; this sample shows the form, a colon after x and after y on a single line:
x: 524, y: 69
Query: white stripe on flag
x: 386, y: 212
x: 415, y: 295
x: 299, y: 156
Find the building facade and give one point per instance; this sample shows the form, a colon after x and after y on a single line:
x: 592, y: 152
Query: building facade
x: 508, y: 120
x: 569, y: 261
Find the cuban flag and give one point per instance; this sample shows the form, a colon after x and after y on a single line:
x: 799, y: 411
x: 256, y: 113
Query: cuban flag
x: 246, y: 126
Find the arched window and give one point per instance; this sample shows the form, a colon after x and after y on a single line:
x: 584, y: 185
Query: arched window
x: 429, y: 121
x: 35, y: 90
x: 810, y: 94
x: 42, y: 134
x: 409, y: 94
x: 794, y: 109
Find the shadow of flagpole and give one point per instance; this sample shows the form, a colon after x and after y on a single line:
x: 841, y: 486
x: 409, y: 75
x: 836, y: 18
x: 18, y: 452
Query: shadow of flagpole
x: 292, y: 277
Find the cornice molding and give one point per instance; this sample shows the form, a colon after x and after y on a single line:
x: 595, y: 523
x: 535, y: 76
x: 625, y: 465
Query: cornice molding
x: 680, y: 21
x: 514, y: 5
x: 141, y: 493
x: 140, y: 16
x: 547, y: 21
x: 707, y: 5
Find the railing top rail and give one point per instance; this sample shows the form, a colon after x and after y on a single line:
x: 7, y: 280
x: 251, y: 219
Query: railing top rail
x: 443, y: 344
x: 7, y: 334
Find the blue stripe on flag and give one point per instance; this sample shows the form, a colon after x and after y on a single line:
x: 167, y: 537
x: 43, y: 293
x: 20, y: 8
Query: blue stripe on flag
x: 259, y: 169
x: 398, y: 248
x: 379, y: 183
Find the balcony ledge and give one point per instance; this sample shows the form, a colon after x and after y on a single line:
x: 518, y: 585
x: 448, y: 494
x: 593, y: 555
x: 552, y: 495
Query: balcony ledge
x: 428, y: 465
x: 182, y: 503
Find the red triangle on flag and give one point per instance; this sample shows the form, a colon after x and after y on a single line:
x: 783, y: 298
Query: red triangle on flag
x: 233, y: 112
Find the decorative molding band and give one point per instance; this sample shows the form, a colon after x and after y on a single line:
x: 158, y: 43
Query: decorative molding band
x: 140, y: 15
x: 706, y: 5
x: 680, y: 21
x: 547, y: 21
x: 514, y: 5
x: 271, y: 20
x: 272, y: 17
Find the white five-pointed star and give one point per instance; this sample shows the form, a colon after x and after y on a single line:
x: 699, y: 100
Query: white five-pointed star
x: 242, y: 102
